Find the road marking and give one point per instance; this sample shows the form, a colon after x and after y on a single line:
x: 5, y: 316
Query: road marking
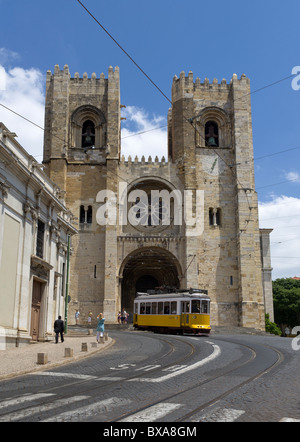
x: 94, y: 408
x: 151, y: 414
x: 216, y: 353
x: 221, y: 415
x: 288, y: 419
x: 66, y: 375
x: 22, y: 399
x: 22, y: 414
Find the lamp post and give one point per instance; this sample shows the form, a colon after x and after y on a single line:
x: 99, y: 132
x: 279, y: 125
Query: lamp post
x: 67, y: 285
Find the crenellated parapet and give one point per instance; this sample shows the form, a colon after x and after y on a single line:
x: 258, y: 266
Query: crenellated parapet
x: 142, y: 161
x: 113, y: 74
x: 185, y: 85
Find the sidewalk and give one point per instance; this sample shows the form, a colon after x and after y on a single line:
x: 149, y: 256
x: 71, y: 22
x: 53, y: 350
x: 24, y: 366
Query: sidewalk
x: 19, y: 361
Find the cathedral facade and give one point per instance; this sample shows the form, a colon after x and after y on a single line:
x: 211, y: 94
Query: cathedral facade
x: 189, y: 220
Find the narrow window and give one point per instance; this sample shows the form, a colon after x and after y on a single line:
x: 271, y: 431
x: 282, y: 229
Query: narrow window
x: 90, y: 215
x: 166, y: 308
x: 211, y: 134
x: 82, y: 215
x: 211, y: 217
x: 160, y: 308
x: 88, y: 134
x: 215, y: 217
x: 154, y: 308
x: 174, y: 308
x: 218, y: 217
x: 142, y: 308
x: 40, y: 239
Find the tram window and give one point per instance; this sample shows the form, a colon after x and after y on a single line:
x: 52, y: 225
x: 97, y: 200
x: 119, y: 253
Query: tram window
x: 136, y: 307
x: 174, y: 308
x: 154, y: 308
x: 196, y: 306
x: 185, y: 307
x: 204, y: 307
x: 148, y: 308
x: 166, y: 308
x: 142, y: 308
x: 160, y: 308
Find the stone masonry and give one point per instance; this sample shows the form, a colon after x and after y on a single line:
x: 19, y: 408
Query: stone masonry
x: 210, y: 156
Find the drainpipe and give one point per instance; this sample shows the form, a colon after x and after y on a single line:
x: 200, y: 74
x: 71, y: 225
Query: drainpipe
x: 67, y: 286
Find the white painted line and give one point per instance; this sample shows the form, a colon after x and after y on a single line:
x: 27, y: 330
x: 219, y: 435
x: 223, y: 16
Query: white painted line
x: 22, y: 414
x: 288, y: 419
x: 151, y: 414
x: 105, y: 405
x: 66, y: 375
x: 22, y: 399
x: 221, y: 415
x: 81, y: 377
x: 216, y: 353
x: 110, y: 379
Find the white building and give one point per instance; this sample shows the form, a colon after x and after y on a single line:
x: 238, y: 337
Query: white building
x: 35, y: 227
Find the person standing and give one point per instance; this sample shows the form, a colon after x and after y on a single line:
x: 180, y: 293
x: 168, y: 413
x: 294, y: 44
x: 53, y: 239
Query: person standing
x: 90, y: 318
x: 77, y: 314
x: 100, y: 326
x: 59, y: 329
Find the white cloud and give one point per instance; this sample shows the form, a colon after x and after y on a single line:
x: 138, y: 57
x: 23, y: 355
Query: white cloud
x: 282, y: 214
x: 23, y: 93
x: 293, y: 176
x: 151, y: 138
x: 7, y: 56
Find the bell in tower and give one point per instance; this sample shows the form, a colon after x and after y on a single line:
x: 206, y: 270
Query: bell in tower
x: 212, y: 134
x: 88, y: 134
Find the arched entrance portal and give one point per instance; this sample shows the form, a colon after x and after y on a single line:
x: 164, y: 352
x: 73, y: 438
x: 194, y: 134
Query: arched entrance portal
x: 145, y: 269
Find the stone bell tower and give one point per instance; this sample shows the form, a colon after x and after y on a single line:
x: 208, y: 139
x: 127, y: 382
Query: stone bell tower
x: 210, y: 142
x: 81, y: 154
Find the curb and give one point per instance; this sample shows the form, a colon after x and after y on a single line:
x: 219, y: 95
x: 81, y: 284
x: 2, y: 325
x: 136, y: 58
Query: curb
x: 59, y: 363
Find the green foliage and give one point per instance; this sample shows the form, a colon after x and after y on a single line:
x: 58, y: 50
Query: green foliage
x: 286, y: 293
x: 271, y: 327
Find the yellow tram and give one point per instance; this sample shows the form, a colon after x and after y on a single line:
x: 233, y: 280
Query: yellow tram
x: 179, y: 312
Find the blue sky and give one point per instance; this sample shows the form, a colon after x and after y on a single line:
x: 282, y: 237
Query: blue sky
x: 212, y: 39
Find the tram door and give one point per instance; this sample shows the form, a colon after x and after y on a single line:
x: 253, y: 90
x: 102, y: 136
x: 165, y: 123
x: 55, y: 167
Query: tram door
x: 185, y: 310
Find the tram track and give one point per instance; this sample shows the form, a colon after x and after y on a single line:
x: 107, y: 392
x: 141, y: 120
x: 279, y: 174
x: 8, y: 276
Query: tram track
x: 86, y: 388
x: 215, y: 400
x: 108, y: 385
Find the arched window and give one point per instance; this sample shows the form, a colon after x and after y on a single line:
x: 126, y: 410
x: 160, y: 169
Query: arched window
x: 211, y: 134
x: 88, y: 134
x: 86, y: 215
x: 213, y: 128
x: 88, y: 128
x: 215, y: 217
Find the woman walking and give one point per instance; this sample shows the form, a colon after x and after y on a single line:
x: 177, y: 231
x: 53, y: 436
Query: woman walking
x: 100, y: 326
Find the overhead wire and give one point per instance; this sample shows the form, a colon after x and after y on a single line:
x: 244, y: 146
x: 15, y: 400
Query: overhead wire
x: 166, y: 97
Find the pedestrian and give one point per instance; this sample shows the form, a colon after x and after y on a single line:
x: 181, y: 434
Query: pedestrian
x: 59, y: 329
x: 90, y: 315
x: 124, y: 316
x: 119, y: 318
x: 100, y: 326
x: 77, y: 314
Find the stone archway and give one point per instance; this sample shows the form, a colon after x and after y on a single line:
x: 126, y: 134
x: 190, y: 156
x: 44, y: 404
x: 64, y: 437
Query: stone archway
x: 145, y: 269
